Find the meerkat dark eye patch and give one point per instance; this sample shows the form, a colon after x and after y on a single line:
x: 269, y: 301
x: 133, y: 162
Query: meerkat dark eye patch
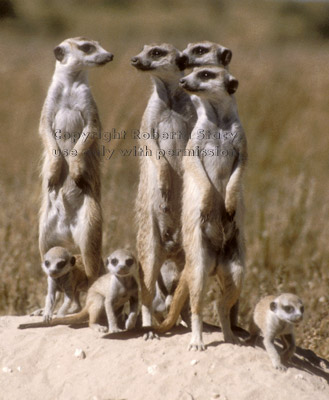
x: 87, y: 48
x: 114, y: 261
x: 200, y: 50
x: 206, y: 75
x: 47, y: 263
x: 302, y: 309
x: 72, y: 261
x: 157, y: 52
x: 288, y: 309
x: 129, y: 262
x: 273, y: 306
x: 61, y: 264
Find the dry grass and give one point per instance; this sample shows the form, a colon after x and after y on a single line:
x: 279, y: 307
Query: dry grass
x: 280, y: 58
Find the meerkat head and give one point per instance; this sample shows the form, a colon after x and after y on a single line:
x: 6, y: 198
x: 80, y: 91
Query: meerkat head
x: 160, y: 59
x: 57, y: 262
x: 81, y: 53
x: 206, y: 53
x: 210, y: 82
x: 121, y: 263
x: 288, y: 307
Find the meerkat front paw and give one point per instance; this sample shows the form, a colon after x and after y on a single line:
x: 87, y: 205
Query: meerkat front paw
x: 54, y: 173
x: 77, y: 172
x: 206, y: 208
x: 230, y: 207
x: 164, y: 181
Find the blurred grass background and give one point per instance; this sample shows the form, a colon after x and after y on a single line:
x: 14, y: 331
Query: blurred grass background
x: 280, y: 56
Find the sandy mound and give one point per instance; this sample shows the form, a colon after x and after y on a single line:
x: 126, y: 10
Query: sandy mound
x: 41, y: 364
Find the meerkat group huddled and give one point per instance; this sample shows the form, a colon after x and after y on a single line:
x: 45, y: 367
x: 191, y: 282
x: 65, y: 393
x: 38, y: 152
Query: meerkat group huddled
x: 189, y: 205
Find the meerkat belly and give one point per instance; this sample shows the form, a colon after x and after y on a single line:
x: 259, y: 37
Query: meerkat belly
x: 68, y: 126
x: 218, y: 160
x: 173, y: 138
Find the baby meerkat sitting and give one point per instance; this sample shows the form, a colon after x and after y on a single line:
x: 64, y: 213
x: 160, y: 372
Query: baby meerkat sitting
x: 110, y: 292
x: 66, y: 273
x: 276, y: 317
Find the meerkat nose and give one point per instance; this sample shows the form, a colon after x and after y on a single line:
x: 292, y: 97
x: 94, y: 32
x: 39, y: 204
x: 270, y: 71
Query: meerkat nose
x: 134, y: 60
x: 183, y: 82
x: 109, y: 56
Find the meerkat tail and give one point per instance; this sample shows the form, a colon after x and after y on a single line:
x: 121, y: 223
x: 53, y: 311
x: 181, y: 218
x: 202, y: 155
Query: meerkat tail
x: 180, y: 296
x: 78, y: 318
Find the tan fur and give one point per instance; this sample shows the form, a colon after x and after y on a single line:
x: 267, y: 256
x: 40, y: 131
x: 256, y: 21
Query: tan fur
x: 275, y: 317
x: 66, y: 273
x: 69, y: 127
x: 212, y: 202
x: 158, y: 203
x: 110, y: 292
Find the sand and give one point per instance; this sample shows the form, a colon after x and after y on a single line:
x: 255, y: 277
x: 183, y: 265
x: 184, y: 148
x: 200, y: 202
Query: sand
x: 43, y: 364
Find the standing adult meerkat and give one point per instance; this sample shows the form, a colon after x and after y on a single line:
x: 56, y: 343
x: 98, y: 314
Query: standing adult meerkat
x: 167, y: 121
x: 69, y: 128
x: 65, y: 273
x: 212, y: 213
x: 276, y: 317
x: 209, y: 53
x: 110, y: 292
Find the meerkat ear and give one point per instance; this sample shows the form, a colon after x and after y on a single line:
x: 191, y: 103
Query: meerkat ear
x: 182, y: 61
x: 107, y: 262
x: 273, y: 306
x: 72, y: 261
x: 231, y: 85
x: 224, y: 56
x: 59, y: 53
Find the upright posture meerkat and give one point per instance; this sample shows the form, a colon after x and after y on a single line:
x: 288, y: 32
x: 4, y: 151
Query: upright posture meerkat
x: 110, y: 291
x: 209, y: 53
x: 206, y: 53
x: 276, y: 316
x: 166, y: 125
x: 69, y: 128
x: 66, y: 274
x: 212, y: 216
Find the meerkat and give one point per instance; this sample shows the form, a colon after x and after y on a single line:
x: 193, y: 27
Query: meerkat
x: 206, y: 53
x: 212, y: 216
x: 70, y: 127
x: 65, y: 273
x: 166, y: 124
x: 165, y: 287
x: 276, y: 317
x: 110, y: 292
x: 209, y: 53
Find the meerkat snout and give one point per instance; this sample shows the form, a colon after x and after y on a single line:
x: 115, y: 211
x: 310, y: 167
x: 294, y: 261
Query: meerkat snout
x: 288, y: 308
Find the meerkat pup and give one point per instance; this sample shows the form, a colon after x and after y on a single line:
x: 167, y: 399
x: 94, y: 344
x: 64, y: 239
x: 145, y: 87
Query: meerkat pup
x: 276, y: 317
x: 65, y: 273
x: 212, y: 216
x: 69, y: 128
x: 206, y: 53
x: 110, y: 292
x: 165, y: 287
x: 165, y: 129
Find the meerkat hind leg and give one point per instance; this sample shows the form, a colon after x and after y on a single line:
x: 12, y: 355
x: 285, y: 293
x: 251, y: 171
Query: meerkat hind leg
x: 95, y: 310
